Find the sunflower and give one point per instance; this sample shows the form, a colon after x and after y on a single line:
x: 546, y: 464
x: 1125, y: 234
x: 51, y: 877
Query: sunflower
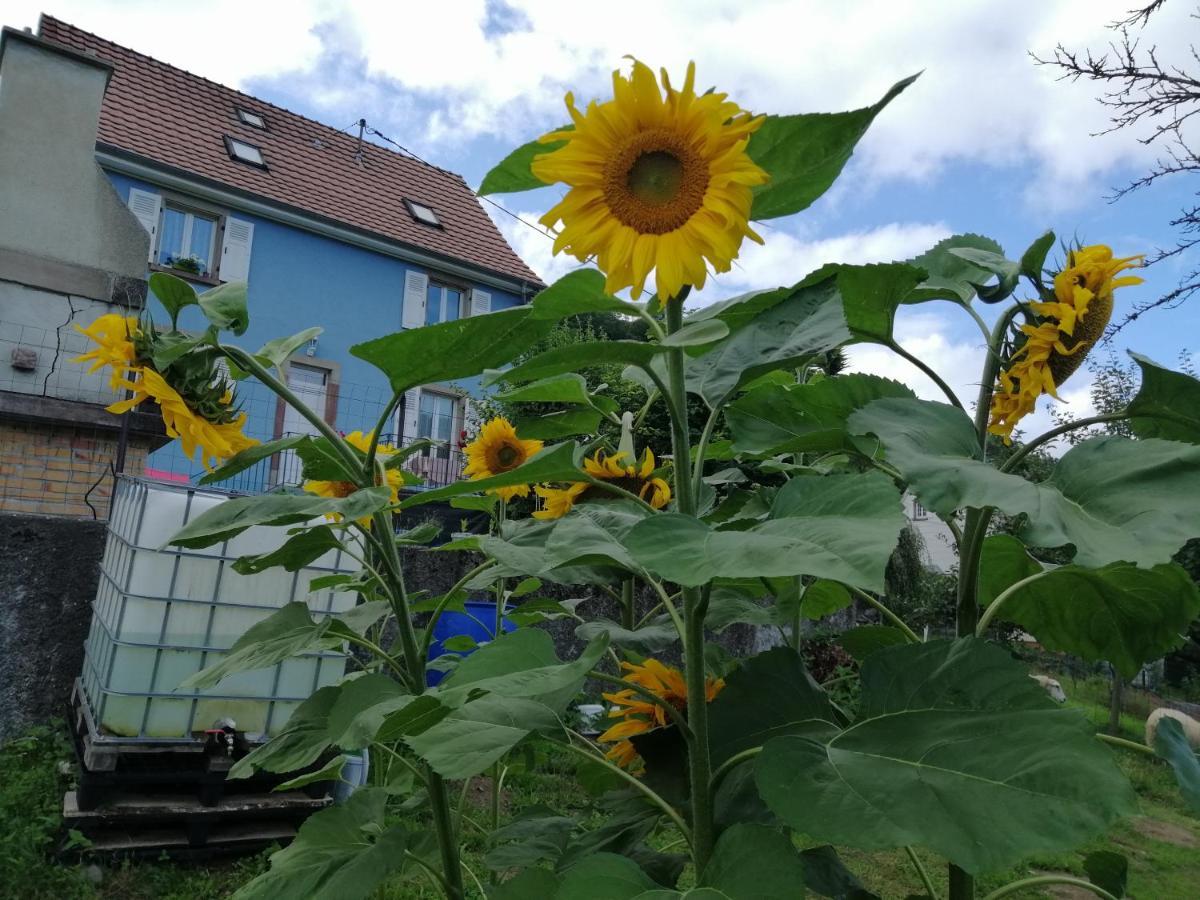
x: 338, y: 489
x: 638, y: 715
x: 214, y: 441
x: 114, y: 336
x: 496, y: 450
x: 1063, y: 331
x: 656, y: 183
x: 636, y: 479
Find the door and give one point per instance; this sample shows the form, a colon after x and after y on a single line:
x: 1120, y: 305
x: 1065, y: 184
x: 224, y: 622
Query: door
x: 309, y: 383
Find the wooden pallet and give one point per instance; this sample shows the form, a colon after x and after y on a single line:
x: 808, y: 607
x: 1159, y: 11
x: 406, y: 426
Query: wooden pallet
x: 131, y: 824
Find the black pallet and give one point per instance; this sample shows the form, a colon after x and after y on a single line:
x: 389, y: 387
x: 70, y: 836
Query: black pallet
x: 137, y: 825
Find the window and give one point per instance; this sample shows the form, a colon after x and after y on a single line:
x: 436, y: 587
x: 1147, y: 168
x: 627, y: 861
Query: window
x: 252, y: 119
x: 442, y: 304
x: 919, y: 511
x: 244, y: 152
x: 422, y: 213
x: 436, y: 415
x: 187, y: 241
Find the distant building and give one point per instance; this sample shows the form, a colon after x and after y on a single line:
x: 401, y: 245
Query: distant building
x: 941, y: 553
x: 326, y: 229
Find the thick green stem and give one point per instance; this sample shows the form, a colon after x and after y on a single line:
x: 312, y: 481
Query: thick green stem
x: 628, y: 613
x: 1011, y: 463
x: 1125, y: 745
x: 921, y: 873
x: 994, y: 607
x: 699, y: 760
x: 702, y: 446
x: 444, y: 602
x: 1048, y: 879
x: 928, y: 370
x: 797, y: 619
x: 730, y: 764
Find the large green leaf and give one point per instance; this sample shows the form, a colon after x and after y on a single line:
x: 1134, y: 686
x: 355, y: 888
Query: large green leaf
x: 478, y: 733
x: 557, y: 425
x: 1115, y: 499
x: 604, y: 876
x: 562, y: 462
x: 512, y: 173
x: 754, y: 862
x: 768, y: 695
x: 945, y: 730
x: 863, y: 640
x: 842, y: 527
x: 823, y: 598
x: 250, y: 456
x: 807, y: 322
x: 225, y: 307
x: 278, y: 351
x: 234, y: 516
x: 303, y: 739
x: 577, y: 293
x: 871, y: 295
x: 457, y: 349
x: 804, y: 418
x: 340, y: 853
x: 574, y: 357
x: 1119, y: 613
x: 951, y: 276
x: 1004, y: 562
x: 1167, y: 404
x: 361, y: 708
x: 172, y: 292
x: 295, y: 553
x: 567, y: 387
x: 1171, y: 744
x: 804, y: 154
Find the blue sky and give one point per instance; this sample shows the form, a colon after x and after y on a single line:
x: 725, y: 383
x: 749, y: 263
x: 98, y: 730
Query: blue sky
x: 984, y: 141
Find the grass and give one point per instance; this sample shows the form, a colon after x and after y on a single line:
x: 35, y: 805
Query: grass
x: 1162, y: 864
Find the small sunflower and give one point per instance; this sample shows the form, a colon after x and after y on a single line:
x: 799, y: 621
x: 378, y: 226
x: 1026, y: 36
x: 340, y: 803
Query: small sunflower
x: 338, y: 489
x: 497, y: 449
x: 214, y: 441
x: 114, y: 336
x: 657, y: 182
x: 638, y: 715
x: 1064, y: 330
x: 636, y: 478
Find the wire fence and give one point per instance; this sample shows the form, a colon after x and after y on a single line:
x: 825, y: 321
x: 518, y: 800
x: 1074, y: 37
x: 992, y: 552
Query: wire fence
x: 60, y: 451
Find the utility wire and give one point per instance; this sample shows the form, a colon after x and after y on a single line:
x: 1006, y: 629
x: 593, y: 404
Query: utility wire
x: 503, y: 209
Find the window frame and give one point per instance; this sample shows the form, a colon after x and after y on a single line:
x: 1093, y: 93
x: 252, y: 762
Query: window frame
x: 414, y: 205
x: 444, y: 285
x: 241, y: 112
x: 191, y: 210
x: 230, y: 141
x: 457, y: 414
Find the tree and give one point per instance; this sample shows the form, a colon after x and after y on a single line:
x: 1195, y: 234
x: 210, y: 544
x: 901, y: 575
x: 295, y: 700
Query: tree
x: 1158, y: 99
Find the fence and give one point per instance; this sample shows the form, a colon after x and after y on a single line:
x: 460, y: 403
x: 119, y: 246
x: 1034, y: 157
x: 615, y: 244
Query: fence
x: 59, y: 450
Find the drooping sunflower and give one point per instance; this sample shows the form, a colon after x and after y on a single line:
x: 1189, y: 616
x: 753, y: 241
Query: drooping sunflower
x: 214, y: 441
x: 635, y: 478
x: 638, y: 715
x: 657, y: 182
x: 497, y: 449
x: 114, y: 335
x: 338, y: 489
x: 1064, y: 330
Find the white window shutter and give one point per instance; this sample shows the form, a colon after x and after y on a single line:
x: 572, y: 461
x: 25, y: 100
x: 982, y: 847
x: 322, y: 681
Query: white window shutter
x: 408, y: 424
x: 416, y: 287
x: 481, y: 302
x: 235, y: 250
x: 145, y: 207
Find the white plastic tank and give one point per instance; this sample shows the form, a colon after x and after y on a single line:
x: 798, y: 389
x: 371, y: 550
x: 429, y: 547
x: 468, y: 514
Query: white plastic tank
x: 162, y: 614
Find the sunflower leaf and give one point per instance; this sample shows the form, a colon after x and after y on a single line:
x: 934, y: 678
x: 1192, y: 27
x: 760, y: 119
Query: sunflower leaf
x: 225, y: 307
x: 805, y: 153
x: 250, y: 456
x: 1167, y: 404
x: 512, y: 174
x: 578, y: 293
x: 949, y: 275
x: 562, y: 462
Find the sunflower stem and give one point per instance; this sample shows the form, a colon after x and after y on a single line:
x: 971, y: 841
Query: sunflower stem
x: 879, y: 607
x: 497, y: 630
x: 699, y: 759
x: 994, y: 606
x: 1027, y: 448
x: 628, y: 613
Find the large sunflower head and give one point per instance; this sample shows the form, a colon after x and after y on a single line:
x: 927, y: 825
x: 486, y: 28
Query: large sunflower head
x: 658, y: 182
x: 638, y: 715
x: 114, y: 336
x: 637, y: 477
x: 1062, y: 332
x: 497, y: 449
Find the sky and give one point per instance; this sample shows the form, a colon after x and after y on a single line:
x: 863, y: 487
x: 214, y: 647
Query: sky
x: 985, y: 141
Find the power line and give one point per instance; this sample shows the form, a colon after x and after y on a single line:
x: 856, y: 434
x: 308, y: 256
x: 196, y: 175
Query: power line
x: 503, y: 209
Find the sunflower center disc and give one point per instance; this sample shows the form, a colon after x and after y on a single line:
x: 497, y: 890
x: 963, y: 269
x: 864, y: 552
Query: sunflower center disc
x: 506, y: 456
x: 656, y: 182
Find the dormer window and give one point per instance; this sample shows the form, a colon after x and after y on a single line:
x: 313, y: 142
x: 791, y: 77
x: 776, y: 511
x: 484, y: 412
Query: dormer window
x: 254, y: 120
x: 244, y: 152
x: 422, y: 213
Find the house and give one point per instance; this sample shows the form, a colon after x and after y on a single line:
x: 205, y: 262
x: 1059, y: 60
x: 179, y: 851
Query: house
x: 940, y: 547
x: 326, y: 228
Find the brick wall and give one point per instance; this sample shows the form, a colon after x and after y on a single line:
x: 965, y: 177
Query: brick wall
x: 50, y: 469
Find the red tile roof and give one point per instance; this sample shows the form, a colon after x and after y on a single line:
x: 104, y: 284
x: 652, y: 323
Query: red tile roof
x: 171, y: 117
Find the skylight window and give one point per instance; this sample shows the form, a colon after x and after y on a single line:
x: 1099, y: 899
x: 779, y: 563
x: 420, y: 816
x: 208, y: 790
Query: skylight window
x: 244, y: 152
x: 422, y: 213
x: 252, y: 119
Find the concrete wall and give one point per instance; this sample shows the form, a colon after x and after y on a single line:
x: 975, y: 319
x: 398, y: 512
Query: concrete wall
x: 45, y: 611
x: 54, y: 200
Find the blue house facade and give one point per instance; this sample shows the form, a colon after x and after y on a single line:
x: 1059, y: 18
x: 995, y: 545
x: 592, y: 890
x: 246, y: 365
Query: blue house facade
x: 325, y: 230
